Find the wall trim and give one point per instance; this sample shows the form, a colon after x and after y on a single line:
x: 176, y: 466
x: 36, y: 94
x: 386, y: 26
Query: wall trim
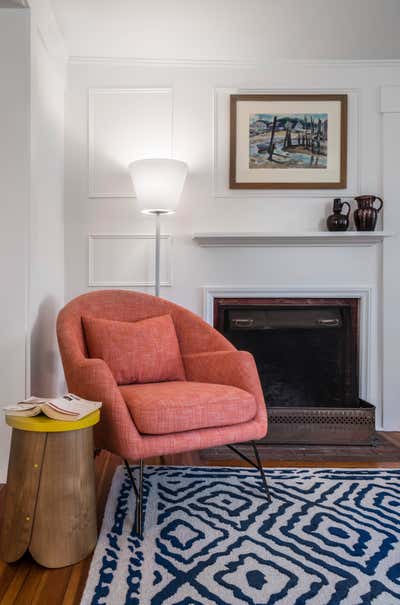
x: 92, y: 93
x: 390, y: 99
x: 233, y: 63
x: 291, y: 238
x: 92, y: 283
x: 366, y: 295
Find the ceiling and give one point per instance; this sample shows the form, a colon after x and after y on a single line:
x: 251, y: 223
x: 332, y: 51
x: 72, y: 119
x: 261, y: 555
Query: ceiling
x: 231, y: 29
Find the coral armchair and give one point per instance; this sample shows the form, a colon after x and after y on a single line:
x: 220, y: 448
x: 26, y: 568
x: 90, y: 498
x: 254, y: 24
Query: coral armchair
x: 219, y: 400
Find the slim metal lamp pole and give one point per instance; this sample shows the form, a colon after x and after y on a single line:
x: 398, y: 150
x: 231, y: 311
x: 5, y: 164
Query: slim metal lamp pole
x: 157, y: 259
x: 158, y: 184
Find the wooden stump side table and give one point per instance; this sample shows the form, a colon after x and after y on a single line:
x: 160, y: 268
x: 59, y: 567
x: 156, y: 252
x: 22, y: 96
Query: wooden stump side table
x: 50, y: 501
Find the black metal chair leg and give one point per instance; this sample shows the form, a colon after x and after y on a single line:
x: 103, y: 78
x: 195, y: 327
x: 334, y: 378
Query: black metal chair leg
x: 257, y: 465
x: 138, y: 495
x: 139, y: 503
x: 261, y: 469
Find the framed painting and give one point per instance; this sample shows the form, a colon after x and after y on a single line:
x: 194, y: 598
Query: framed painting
x: 288, y: 141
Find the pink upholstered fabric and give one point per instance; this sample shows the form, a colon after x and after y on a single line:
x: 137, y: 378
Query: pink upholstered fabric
x: 208, y: 357
x: 141, y: 351
x: 173, y: 407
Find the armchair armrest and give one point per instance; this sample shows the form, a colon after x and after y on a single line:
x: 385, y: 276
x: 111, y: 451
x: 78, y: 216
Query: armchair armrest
x: 234, y: 368
x: 92, y: 379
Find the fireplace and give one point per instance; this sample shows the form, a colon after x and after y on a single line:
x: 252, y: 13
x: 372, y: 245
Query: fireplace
x: 307, y: 354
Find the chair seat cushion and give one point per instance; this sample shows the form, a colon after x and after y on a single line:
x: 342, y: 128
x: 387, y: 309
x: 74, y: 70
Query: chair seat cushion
x: 138, y: 351
x: 173, y: 407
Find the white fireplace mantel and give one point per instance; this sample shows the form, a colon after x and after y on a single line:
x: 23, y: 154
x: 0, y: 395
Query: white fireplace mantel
x: 305, y: 238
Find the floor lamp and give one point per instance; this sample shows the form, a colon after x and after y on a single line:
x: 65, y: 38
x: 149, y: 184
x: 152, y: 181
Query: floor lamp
x: 158, y: 186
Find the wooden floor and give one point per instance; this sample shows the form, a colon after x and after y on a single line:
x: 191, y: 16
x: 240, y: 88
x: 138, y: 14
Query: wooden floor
x: 26, y: 583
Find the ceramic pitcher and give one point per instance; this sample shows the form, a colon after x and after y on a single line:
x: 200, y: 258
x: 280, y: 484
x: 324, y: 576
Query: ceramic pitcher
x: 339, y: 221
x: 366, y: 215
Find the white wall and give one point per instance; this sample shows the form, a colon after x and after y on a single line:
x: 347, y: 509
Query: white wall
x: 14, y: 211
x: 103, y: 133
x: 390, y: 108
x: 48, y: 80
x: 32, y: 210
x: 249, y: 30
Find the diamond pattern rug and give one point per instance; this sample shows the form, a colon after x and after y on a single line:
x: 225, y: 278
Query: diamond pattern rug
x: 329, y: 537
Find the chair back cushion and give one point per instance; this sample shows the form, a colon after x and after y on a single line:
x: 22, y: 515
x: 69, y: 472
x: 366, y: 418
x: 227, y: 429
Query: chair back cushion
x: 141, y: 351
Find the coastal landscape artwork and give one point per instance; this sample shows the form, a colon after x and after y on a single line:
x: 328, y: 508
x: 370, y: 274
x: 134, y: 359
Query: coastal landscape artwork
x: 288, y: 141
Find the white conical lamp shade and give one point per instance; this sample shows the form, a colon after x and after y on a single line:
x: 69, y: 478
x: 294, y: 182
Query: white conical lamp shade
x: 158, y: 184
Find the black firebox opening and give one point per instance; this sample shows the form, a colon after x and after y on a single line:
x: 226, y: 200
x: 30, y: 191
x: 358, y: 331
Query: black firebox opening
x: 306, y: 352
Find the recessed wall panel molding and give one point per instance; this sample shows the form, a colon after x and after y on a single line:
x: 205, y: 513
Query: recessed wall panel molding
x: 123, y: 260
x: 221, y: 142
x: 125, y: 125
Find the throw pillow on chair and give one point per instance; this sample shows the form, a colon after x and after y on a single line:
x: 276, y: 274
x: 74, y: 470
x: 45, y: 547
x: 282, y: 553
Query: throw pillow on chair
x: 139, y: 351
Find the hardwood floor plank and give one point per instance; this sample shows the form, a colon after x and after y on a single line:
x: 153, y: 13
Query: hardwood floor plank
x: 17, y: 581
x: 393, y: 437
x: 385, y: 454
x: 52, y: 587
x: 32, y: 587
x: 185, y: 459
x: 7, y: 573
x: 76, y: 583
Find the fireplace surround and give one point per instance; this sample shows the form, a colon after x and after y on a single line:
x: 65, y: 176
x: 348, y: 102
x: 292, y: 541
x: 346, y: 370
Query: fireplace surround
x: 307, y: 349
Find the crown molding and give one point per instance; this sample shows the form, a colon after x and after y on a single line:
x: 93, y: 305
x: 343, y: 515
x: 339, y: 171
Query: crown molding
x: 232, y: 63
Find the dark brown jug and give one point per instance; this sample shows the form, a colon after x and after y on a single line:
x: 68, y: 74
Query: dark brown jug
x: 338, y: 221
x: 366, y: 215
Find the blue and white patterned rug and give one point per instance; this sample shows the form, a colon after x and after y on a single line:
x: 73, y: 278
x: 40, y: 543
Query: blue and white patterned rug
x: 329, y: 537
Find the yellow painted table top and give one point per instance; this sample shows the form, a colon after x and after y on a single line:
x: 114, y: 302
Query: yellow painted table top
x: 43, y: 424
